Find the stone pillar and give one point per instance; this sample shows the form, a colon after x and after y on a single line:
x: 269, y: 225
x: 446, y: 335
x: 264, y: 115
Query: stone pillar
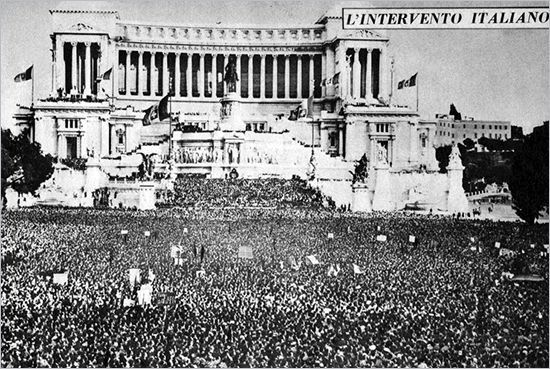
x: 250, y: 76
x: 382, y: 189
x: 368, y: 76
x: 299, y: 77
x: 224, y: 64
x: 341, y: 141
x: 356, y: 74
x: 189, y: 75
x: 287, y: 76
x: 177, y: 75
x: 140, y: 84
x: 200, y: 79
x: 88, y: 70
x: 456, y: 200
x: 382, y: 94
x: 262, y: 76
x: 127, y: 73
x: 154, y: 75
x: 275, y: 67
x: 238, y: 66
x: 361, y: 200
x: 324, y: 74
x: 311, y: 75
x: 214, y: 75
x: 60, y: 59
x: 165, y: 74
x: 330, y: 70
x: 74, y: 87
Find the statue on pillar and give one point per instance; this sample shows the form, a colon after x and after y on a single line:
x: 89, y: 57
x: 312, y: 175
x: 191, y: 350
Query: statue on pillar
x: 145, y: 169
x: 454, y: 158
x: 231, y: 77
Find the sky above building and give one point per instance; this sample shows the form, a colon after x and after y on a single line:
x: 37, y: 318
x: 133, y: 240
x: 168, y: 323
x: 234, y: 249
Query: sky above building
x: 487, y: 74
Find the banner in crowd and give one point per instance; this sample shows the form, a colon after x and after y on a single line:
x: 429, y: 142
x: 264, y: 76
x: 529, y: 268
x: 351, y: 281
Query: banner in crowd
x: 134, y: 276
x: 175, y: 252
x: 292, y: 262
x: 245, y: 252
x: 312, y: 260
x: 123, y: 232
x: 61, y: 278
x: 357, y: 270
x: 144, y: 294
x: 147, y: 233
x: 381, y: 238
x: 330, y: 236
x: 128, y: 302
x: 412, y: 239
x: 497, y: 245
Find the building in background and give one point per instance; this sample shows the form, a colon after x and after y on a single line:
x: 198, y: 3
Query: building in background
x: 452, y: 129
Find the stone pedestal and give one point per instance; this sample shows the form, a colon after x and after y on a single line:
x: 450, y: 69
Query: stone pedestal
x: 456, y: 199
x: 382, y: 200
x: 147, y: 196
x: 360, y: 200
x: 231, y: 119
x: 95, y: 178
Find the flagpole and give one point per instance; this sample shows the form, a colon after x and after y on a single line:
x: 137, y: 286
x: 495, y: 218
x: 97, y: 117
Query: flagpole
x: 170, y: 128
x: 32, y: 88
x: 417, y: 93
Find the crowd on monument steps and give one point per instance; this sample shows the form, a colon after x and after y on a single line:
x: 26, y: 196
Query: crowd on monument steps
x: 434, y: 302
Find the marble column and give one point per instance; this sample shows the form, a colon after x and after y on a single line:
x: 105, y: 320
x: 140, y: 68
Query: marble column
x: 60, y: 59
x: 250, y: 76
x: 382, y: 74
x: 238, y: 66
x: 140, y: 85
x: 154, y: 74
x: 287, y: 76
x: 177, y: 75
x: 200, y: 79
x: 262, y: 76
x: 299, y: 77
x: 356, y: 74
x: 73, y: 68
x: 330, y: 71
x: 87, y: 70
x: 341, y: 141
x: 324, y: 73
x: 165, y: 74
x: 189, y: 75
x: 127, y: 72
x: 368, y: 77
x: 224, y: 64
x: 275, y: 67
x: 311, y: 75
x: 214, y: 75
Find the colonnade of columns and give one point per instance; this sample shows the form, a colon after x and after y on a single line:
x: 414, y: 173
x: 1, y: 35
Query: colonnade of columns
x: 366, y: 78
x: 201, y: 75
x: 76, y: 66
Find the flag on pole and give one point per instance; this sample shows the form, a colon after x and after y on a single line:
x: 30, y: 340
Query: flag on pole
x: 106, y: 76
x: 25, y: 76
x: 295, y: 114
x: 309, y: 107
x: 159, y: 111
x: 407, y: 82
x: 312, y: 260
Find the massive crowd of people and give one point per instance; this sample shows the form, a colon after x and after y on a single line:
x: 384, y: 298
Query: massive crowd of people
x: 268, y: 192
x: 440, y: 301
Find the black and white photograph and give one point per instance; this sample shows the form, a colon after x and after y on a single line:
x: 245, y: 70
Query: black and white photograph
x: 282, y: 184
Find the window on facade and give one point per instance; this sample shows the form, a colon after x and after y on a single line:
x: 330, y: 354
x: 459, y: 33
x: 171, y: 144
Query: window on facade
x: 248, y: 127
x: 453, y: 135
x: 483, y: 135
x: 423, y: 142
x: 261, y: 127
x: 464, y: 136
x: 490, y: 135
x: 464, y: 126
x: 505, y: 136
x: 490, y: 126
x: 121, y: 139
x: 475, y: 126
x: 483, y: 126
x: 453, y: 126
x: 475, y: 135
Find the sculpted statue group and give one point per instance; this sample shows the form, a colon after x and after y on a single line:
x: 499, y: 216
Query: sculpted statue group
x: 197, y: 155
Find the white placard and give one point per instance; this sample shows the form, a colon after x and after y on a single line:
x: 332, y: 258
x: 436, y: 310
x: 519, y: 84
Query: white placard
x: 381, y: 238
x: 147, y: 233
x: 412, y: 239
x: 124, y: 231
x: 497, y: 245
x: 61, y: 278
x: 330, y: 236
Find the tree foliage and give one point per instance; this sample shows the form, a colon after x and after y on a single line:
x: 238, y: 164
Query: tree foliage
x: 24, y: 167
x: 529, y: 180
